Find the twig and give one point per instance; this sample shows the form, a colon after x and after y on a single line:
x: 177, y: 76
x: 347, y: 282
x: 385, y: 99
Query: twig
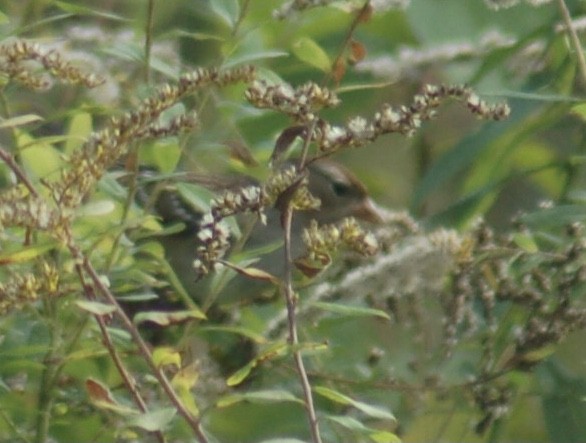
x: 293, y: 337
x: 143, y: 348
x: 9, y: 160
x: 574, y: 39
x: 128, y: 379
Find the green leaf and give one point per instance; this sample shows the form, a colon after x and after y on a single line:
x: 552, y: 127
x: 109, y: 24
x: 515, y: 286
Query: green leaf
x: 162, y: 154
x: 227, y: 10
x: 308, y: 51
x: 79, y: 128
x: 384, y: 437
x: 283, y: 440
x: 96, y: 308
x: 338, y: 397
x: 268, y: 396
x: 96, y: 208
x: 166, y: 356
x: 19, y: 121
x: 39, y: 158
x: 276, y: 350
x: 580, y: 111
x: 351, y: 311
x: 525, y: 241
x: 197, y: 196
x: 84, y: 10
x: 249, y: 57
x: 349, y: 423
x: 163, y: 318
x: 556, y: 216
x: 25, y: 254
x: 564, y: 409
x: 245, y: 332
x: 154, y: 420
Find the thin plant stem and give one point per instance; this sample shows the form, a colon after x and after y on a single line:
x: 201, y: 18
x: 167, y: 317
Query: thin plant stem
x: 574, y: 39
x: 148, y: 41
x: 84, y: 266
x: 289, y: 293
x: 143, y: 348
x: 128, y: 379
x: 291, y: 300
x: 48, y: 376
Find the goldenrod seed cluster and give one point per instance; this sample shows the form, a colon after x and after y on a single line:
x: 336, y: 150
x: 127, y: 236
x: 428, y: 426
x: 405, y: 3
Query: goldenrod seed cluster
x: 21, y: 289
x: 300, y: 103
x: 13, y: 63
x: 321, y: 241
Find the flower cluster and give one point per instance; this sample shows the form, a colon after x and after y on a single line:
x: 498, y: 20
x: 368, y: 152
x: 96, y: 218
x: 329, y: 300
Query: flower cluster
x: 300, y: 103
x: 289, y: 179
x: 322, y: 241
x: 27, y: 211
x: 22, y: 288
x: 104, y: 148
x: 404, y: 120
x: 14, y: 57
x: 214, y: 236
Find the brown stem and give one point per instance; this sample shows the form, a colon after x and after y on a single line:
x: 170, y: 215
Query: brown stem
x: 11, y: 163
x: 143, y: 348
x: 291, y: 300
x: 128, y: 379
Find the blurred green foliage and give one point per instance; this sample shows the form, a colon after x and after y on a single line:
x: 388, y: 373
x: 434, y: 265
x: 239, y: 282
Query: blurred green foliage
x: 451, y: 172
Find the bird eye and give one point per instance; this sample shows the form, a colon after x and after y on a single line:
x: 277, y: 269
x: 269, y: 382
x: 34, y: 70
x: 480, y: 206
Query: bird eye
x: 341, y: 189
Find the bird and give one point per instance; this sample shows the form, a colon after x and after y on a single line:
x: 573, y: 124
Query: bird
x: 340, y: 192
x: 341, y: 195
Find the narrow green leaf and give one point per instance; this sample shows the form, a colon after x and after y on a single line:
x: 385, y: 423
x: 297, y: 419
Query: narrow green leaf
x: 241, y: 374
x: 95, y: 307
x: 556, y: 216
x: 349, y: 423
x: 253, y: 56
x: 227, y: 10
x: 84, y: 10
x: 351, y: 311
x: 79, y: 128
x: 245, y: 332
x: 283, y: 440
x: 268, y: 396
x: 384, y: 437
x: 276, y: 350
x: 338, y: 397
x: 96, y: 208
x: 154, y: 420
x: 163, y: 318
x: 25, y: 254
x: 19, y: 121
x: 308, y: 51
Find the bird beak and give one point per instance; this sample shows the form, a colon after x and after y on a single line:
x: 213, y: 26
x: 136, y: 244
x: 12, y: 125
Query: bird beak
x: 369, y: 212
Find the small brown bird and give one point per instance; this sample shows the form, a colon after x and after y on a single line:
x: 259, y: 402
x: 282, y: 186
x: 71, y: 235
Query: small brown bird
x: 341, y: 195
